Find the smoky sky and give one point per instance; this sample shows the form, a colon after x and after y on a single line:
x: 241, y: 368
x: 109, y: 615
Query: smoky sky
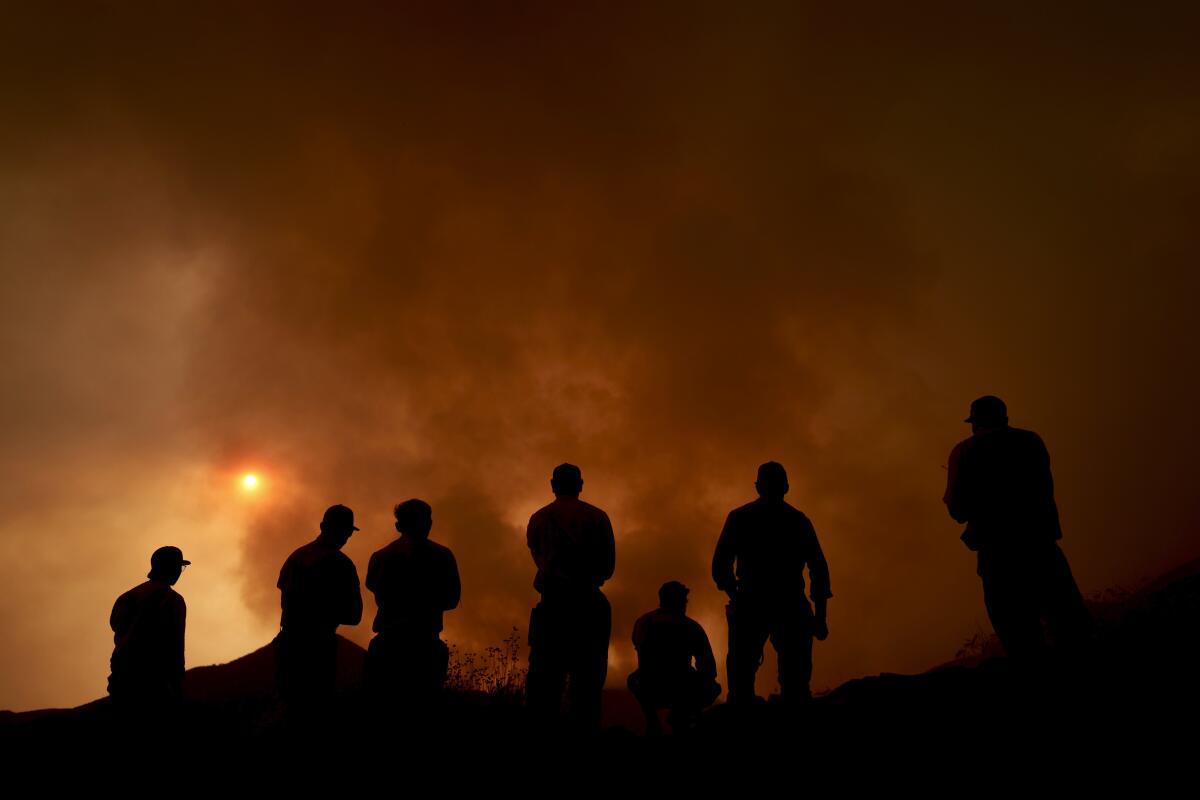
x: 433, y: 250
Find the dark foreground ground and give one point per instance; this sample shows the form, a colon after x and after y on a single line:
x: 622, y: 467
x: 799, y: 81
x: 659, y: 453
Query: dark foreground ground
x: 1120, y: 718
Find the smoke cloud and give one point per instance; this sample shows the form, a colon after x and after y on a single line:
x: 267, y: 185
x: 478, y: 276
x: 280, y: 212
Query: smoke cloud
x: 433, y: 252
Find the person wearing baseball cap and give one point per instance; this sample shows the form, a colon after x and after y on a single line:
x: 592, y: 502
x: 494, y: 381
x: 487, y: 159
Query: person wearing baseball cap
x: 999, y: 483
x: 668, y: 642
x: 148, y: 632
x: 319, y: 590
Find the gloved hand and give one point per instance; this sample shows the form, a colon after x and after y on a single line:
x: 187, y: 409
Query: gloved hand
x: 821, y: 630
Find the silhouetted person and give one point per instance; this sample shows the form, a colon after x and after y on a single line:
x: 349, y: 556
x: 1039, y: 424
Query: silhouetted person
x: 771, y: 542
x: 667, y: 641
x: 319, y: 591
x: 414, y: 581
x: 575, y: 553
x: 999, y: 484
x: 148, y: 624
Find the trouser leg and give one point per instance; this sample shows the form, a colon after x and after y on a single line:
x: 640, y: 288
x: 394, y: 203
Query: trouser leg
x: 547, y: 674
x: 647, y: 700
x: 1066, y: 614
x: 747, y: 636
x: 792, y: 639
x: 589, y: 668
x: 306, y: 674
x: 1013, y: 610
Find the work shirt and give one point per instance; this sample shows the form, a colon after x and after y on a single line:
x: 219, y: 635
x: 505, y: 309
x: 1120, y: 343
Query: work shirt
x: 148, y: 626
x: 667, y: 642
x: 770, y: 542
x: 414, y: 581
x: 572, y: 545
x: 319, y: 590
x: 999, y: 483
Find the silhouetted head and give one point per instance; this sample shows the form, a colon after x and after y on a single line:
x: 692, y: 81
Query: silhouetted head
x: 166, y: 565
x: 672, y: 596
x: 414, y: 518
x: 337, y: 526
x: 987, y: 413
x: 772, y: 482
x: 567, y: 481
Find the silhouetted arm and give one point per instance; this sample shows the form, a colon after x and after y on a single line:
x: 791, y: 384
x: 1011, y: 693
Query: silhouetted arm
x: 352, y: 603
x: 818, y: 570
x: 955, y: 497
x: 608, y: 550
x: 116, y: 620
x: 706, y: 664
x: 453, y: 584
x: 1046, y: 490
x: 373, y: 568
x: 282, y: 584
x: 533, y: 538
x: 818, y: 577
x: 639, y: 632
x: 180, y: 624
x: 724, y: 556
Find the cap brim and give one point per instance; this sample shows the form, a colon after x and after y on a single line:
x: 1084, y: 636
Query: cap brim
x: 185, y: 563
x: 356, y: 527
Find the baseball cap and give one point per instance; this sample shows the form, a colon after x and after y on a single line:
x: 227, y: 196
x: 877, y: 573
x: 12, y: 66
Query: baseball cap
x: 338, y: 515
x: 168, y: 556
x: 988, y: 408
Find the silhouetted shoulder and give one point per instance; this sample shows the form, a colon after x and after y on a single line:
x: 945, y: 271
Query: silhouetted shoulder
x: 599, y: 515
x: 694, y: 628
x: 1028, y: 438
x: 568, y: 508
x: 441, y: 550
x: 644, y: 618
x: 345, y: 562
x: 743, y: 512
x: 298, y: 556
x: 314, y: 556
x: 745, y: 509
x: 799, y: 516
x: 639, y: 627
x: 539, y: 514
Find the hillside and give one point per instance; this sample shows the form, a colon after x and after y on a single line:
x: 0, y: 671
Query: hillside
x: 1119, y: 698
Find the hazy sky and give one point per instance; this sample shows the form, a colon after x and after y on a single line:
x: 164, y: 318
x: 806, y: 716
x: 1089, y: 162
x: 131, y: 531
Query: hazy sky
x: 434, y: 251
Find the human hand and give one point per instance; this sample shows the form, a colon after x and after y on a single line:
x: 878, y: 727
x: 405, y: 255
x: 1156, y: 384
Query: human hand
x: 821, y: 630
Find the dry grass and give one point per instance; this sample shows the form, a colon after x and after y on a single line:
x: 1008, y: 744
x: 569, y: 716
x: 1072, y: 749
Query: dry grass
x: 497, y: 671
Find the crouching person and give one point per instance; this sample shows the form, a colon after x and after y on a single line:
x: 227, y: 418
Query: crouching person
x: 667, y: 641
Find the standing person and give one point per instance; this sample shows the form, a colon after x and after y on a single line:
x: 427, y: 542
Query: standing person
x: 575, y: 553
x: 148, y: 628
x: 319, y: 590
x: 414, y: 581
x: 667, y: 642
x: 759, y: 562
x: 999, y: 483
